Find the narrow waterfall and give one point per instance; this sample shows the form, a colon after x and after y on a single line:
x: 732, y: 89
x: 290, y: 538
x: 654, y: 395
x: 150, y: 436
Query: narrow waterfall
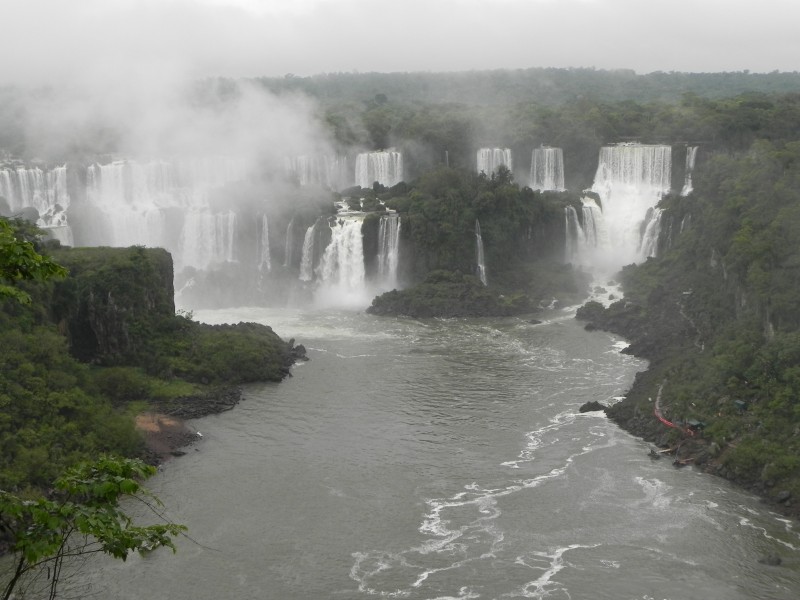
x: 547, y: 169
x: 307, y: 258
x: 573, y: 234
x: 479, y: 257
x: 630, y: 180
x: 388, y: 250
x: 691, y: 156
x: 385, y: 167
x: 489, y: 159
x: 585, y: 235
x: 288, y: 249
x: 651, y: 231
x: 265, y: 263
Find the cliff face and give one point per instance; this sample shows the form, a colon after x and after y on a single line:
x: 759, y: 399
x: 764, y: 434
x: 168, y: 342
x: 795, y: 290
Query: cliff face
x: 113, y: 298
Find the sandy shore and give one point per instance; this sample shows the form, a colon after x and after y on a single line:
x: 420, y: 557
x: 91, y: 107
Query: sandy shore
x: 164, y: 435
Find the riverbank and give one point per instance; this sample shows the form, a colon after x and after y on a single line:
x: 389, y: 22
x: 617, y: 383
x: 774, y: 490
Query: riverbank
x: 700, y: 435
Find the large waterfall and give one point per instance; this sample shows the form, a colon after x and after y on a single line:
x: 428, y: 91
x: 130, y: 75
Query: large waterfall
x: 630, y: 180
x: 388, y: 251
x: 691, y: 157
x: 164, y: 204
x: 479, y: 257
x: 46, y: 191
x: 547, y: 169
x: 385, y: 167
x: 490, y: 159
x: 341, y: 269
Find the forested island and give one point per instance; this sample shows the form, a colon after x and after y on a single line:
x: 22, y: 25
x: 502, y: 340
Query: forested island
x: 712, y: 303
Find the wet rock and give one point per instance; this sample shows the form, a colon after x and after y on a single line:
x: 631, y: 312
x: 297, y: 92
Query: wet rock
x: 592, y: 406
x: 783, y: 496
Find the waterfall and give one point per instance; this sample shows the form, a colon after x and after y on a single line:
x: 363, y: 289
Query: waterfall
x: 341, y: 269
x: 489, y: 159
x: 288, y: 250
x: 691, y: 156
x: 585, y: 235
x: 547, y: 169
x: 45, y: 191
x: 325, y: 170
x: 265, y: 263
x: 573, y: 234
x: 165, y: 204
x: 207, y: 238
x: 479, y: 258
x: 307, y: 258
x: 385, y: 167
x: 630, y: 180
x: 651, y: 231
x: 388, y: 250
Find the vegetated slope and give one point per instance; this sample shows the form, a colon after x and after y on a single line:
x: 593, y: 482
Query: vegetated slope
x: 92, y: 350
x: 522, y: 235
x: 718, y: 315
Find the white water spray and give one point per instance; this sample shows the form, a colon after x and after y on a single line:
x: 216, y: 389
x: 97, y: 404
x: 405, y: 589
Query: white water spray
x: 630, y: 180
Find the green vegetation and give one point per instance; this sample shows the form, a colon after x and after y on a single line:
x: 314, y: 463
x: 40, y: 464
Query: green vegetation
x: 90, y: 350
x: 82, y: 516
x: 447, y: 294
x: 523, y: 238
x: 718, y: 315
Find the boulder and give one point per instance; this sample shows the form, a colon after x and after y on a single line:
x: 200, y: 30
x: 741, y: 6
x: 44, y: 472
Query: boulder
x: 592, y: 406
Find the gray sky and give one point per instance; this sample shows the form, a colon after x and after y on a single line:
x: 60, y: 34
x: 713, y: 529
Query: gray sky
x: 52, y: 40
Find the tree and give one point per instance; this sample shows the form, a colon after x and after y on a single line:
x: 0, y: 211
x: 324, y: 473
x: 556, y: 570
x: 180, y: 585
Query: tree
x: 82, y: 517
x: 20, y: 261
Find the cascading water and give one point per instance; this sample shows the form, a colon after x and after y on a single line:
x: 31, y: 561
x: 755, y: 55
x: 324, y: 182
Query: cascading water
x: 479, y: 257
x: 341, y: 270
x: 630, y: 180
x: 584, y: 235
x: 265, y: 263
x: 288, y: 251
x: 163, y: 204
x: 651, y: 231
x: 326, y: 170
x: 46, y: 191
x: 691, y: 157
x: 547, y: 169
x: 388, y: 251
x: 307, y: 258
x: 385, y: 167
x: 490, y: 159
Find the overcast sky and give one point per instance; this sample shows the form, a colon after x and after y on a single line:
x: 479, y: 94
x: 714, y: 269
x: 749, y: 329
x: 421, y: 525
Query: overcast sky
x: 51, y: 40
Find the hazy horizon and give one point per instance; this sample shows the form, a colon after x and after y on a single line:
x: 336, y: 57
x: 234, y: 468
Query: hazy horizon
x: 53, y: 42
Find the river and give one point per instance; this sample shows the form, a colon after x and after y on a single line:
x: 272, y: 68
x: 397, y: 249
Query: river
x: 446, y: 459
